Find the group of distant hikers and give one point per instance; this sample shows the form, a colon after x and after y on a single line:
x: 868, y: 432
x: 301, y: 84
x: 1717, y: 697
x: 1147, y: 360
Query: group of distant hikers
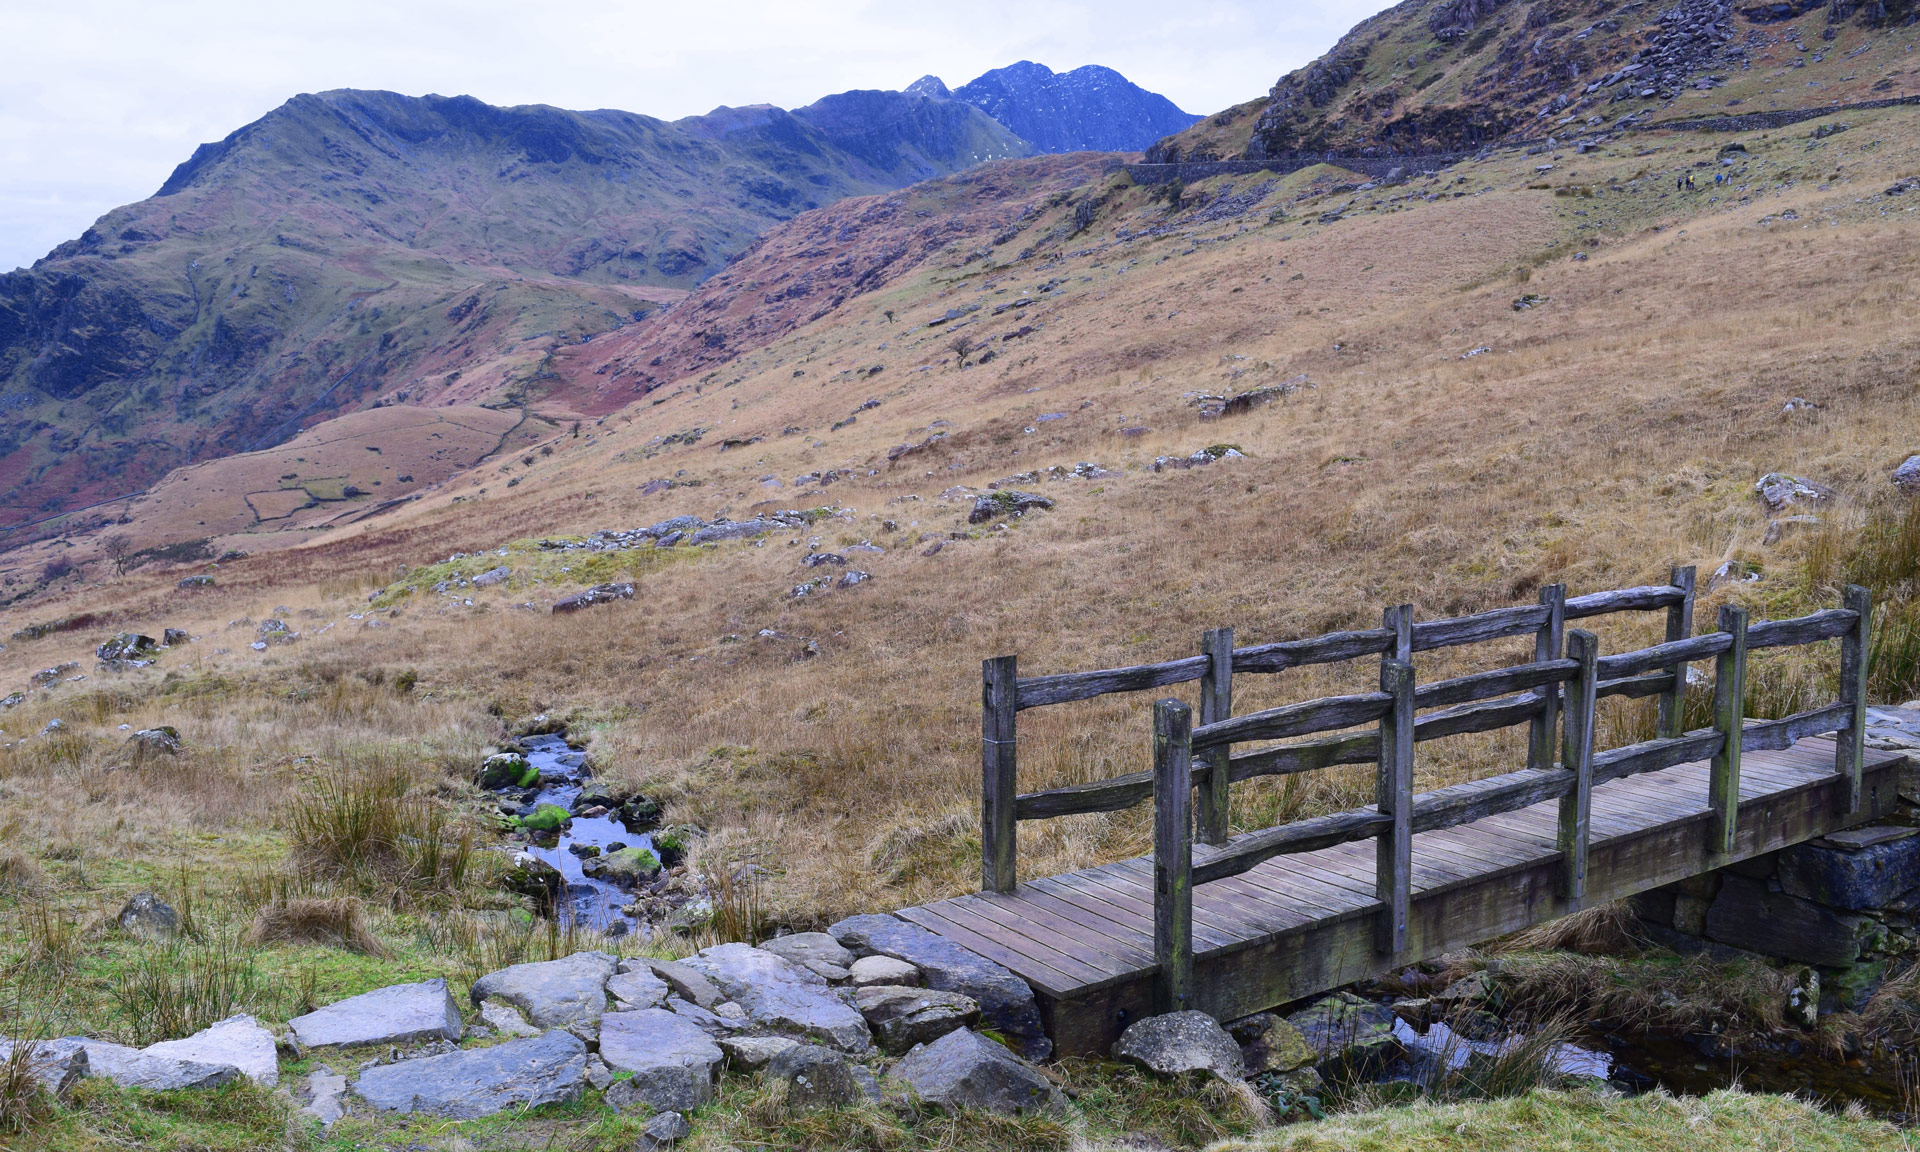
x: 1684, y: 181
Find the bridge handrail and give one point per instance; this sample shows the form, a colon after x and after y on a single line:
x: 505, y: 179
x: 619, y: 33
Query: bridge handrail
x: 1005, y: 694
x: 1397, y: 813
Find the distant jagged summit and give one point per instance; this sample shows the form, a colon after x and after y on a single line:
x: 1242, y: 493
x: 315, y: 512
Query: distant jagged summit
x: 1090, y: 109
x: 930, y: 86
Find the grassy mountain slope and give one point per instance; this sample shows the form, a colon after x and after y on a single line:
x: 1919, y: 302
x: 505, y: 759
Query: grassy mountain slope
x: 364, y: 247
x: 1431, y: 75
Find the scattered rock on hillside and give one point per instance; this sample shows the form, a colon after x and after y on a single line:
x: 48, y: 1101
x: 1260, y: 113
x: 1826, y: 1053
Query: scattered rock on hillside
x: 966, y: 1070
x: 904, y: 1017
x: 161, y: 741
x: 674, y: 1064
x: 546, y: 1069
x: 1006, y: 1003
x: 492, y: 576
x: 1780, y: 491
x: 175, y: 636
x: 1006, y: 503
x: 1181, y: 1042
x: 551, y: 993
x: 147, y: 917
x: 1907, y: 476
x: 398, y: 1014
x: 128, y: 650
x: 814, y: 1077
x: 238, y: 1040
x: 193, y: 582
x: 598, y: 594
x: 783, y: 996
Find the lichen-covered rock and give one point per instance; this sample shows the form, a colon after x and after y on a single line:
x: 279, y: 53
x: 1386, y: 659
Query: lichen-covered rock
x: 1780, y: 491
x: 161, y: 741
x: 598, y: 594
x: 1270, y: 1044
x: 551, y: 993
x: 966, y: 1070
x: 1181, y: 1042
x: 814, y: 1077
x: 1348, y: 1033
x: 546, y: 1069
x: 132, y: 1068
x: 993, y: 505
x: 664, y: 1131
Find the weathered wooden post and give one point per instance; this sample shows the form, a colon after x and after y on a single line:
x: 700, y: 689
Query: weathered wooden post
x: 1850, y: 742
x: 1729, y: 714
x: 1679, y: 627
x: 1547, y: 643
x: 1173, y: 856
x: 1393, y: 796
x: 1216, y: 704
x: 1399, y: 620
x: 1576, y: 807
x: 999, y: 773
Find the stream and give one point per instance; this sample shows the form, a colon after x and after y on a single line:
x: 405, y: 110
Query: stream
x: 590, y: 902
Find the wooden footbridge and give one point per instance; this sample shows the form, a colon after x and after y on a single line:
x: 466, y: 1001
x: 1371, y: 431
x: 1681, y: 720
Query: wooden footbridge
x: 1235, y: 924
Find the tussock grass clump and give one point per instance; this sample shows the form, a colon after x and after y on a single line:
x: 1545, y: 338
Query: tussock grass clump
x: 1603, y: 930
x: 23, y: 1102
x: 374, y: 829
x: 338, y: 922
x: 21, y: 874
x: 179, y: 989
x: 1656, y: 991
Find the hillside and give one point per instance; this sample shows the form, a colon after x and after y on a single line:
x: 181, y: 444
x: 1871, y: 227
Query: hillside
x: 1456, y: 74
x: 354, y: 248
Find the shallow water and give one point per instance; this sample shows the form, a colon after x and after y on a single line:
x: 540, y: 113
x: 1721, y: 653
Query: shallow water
x: 592, y: 903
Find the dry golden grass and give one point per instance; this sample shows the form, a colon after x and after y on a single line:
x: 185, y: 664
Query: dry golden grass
x: 1613, y: 431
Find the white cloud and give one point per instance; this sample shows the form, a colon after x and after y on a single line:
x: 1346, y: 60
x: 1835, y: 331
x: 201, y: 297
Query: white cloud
x: 99, y: 99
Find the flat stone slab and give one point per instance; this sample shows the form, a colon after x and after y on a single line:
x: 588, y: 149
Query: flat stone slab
x: 545, y: 1069
x: 689, y: 984
x: 637, y: 989
x: 751, y: 1053
x: 1006, y: 1003
x: 54, y: 1067
x: 239, y: 1041
x: 132, y: 1068
x: 398, y: 1014
x: 505, y: 1019
x: 674, y: 1064
x: 552, y: 993
x: 783, y: 997
x: 883, y: 970
x: 809, y: 949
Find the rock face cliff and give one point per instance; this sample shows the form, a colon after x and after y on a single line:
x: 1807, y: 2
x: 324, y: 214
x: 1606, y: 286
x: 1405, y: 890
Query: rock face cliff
x: 1090, y: 109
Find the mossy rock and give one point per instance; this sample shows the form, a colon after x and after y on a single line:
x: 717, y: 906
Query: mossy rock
x: 505, y: 770
x: 533, y: 877
x: 545, y: 818
x: 629, y: 866
x: 640, y: 814
x: 1218, y: 451
x: 671, y: 844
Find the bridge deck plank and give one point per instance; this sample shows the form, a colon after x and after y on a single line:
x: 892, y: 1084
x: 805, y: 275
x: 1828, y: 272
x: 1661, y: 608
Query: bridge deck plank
x: 1298, y: 924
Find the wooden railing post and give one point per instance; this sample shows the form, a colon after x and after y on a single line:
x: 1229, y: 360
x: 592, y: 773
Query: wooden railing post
x: 1216, y: 704
x: 1547, y: 644
x: 1393, y: 796
x: 1173, y: 856
x: 1576, y: 807
x: 999, y: 774
x: 1729, y: 716
x: 1399, y: 620
x: 1849, y: 743
x: 1679, y: 627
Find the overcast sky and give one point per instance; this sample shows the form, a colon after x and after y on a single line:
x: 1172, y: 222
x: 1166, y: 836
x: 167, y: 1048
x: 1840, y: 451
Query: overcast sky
x: 99, y: 99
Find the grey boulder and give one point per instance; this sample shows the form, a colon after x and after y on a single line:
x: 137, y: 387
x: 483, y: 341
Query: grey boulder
x: 674, y: 1064
x: 132, y: 1068
x: 147, y: 917
x: 883, y: 970
x: 1181, y: 1042
x: 903, y: 1017
x: 1006, y: 1003
x: 552, y: 993
x: 56, y: 1067
x: 466, y: 1085
x: 783, y: 997
x: 814, y: 1077
x: 816, y: 951
x: 966, y: 1070
x: 398, y: 1014
x: 665, y: 1130
x: 239, y: 1041
x: 752, y: 1053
